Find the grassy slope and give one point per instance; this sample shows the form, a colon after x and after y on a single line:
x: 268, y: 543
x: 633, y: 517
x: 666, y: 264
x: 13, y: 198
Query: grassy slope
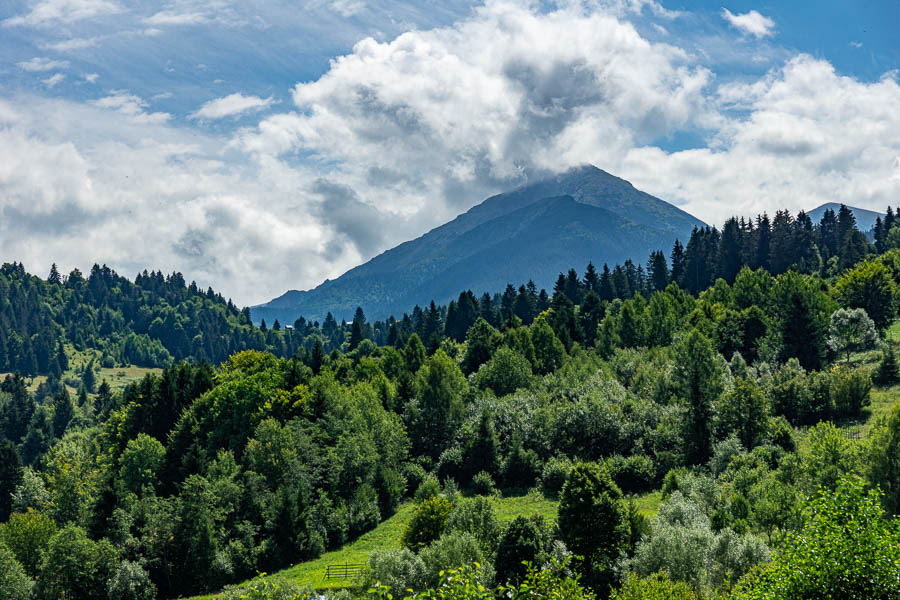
x: 116, y: 377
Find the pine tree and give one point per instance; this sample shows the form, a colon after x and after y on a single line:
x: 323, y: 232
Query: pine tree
x: 607, y: 290
x: 677, y: 261
x: 763, y: 242
x: 591, y: 279
x: 658, y: 271
x: 87, y: 377
x: 730, y: 250
x: 63, y: 411
x: 781, y: 248
x: 699, y: 383
x: 54, y: 277
x: 358, y: 330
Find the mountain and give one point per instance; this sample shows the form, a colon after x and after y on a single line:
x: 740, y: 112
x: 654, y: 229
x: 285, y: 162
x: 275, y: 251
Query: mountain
x: 533, y: 232
x: 865, y: 219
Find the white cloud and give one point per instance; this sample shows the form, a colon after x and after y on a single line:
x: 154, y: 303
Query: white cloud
x: 443, y: 117
x: 856, y: 44
x: 402, y: 135
x: 131, y: 106
x: 810, y: 136
x: 42, y: 64
x: 348, y: 8
x: 91, y: 77
x: 48, y: 13
x: 168, y: 17
x: 752, y: 23
x: 53, y: 80
x: 231, y: 105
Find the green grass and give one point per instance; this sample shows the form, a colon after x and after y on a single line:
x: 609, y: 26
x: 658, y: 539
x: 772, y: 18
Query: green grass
x: 387, y: 537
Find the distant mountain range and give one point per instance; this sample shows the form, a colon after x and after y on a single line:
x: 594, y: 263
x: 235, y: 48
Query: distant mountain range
x: 865, y: 219
x: 533, y: 232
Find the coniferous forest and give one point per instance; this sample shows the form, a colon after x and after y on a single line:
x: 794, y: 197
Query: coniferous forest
x: 721, y: 420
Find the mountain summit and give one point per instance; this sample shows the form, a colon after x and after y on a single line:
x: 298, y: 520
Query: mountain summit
x: 533, y: 232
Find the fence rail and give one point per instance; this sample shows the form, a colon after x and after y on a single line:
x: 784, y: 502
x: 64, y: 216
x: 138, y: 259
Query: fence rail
x: 345, y: 571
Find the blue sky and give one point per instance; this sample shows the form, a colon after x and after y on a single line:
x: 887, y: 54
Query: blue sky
x: 261, y: 146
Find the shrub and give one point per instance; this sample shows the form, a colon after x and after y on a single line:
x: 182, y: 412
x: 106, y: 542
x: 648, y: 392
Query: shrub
x: 554, y: 476
x: 476, y: 516
x: 655, y: 587
x: 483, y: 484
x: 452, y: 551
x: 521, y: 468
x: 506, y: 372
x: 633, y: 474
x: 428, y: 488
x: 427, y: 524
x: 398, y: 569
x: 845, y: 549
x: 524, y: 540
x: 849, y: 391
x: 130, y: 582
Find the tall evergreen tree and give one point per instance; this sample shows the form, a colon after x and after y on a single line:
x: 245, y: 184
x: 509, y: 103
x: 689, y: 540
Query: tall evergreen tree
x: 677, y: 261
x: 358, y: 329
x: 54, y: 276
x: 763, y: 243
x: 658, y: 271
x: 591, y: 279
x: 699, y: 382
x: 730, y: 250
x: 782, y: 252
x: 607, y: 290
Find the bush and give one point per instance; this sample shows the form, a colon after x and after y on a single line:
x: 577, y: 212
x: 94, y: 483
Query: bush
x: 845, y: 549
x: 506, y: 372
x: 452, y: 551
x: 267, y: 588
x: 451, y: 464
x: 427, y: 524
x: 131, y: 582
x: 483, y: 484
x: 849, y: 391
x: 887, y: 372
x: 428, y: 488
x: 521, y: 468
x: 524, y: 540
x: 414, y: 474
x: 476, y: 516
x: 399, y: 569
x: 655, y: 587
x: 633, y: 474
x: 554, y: 476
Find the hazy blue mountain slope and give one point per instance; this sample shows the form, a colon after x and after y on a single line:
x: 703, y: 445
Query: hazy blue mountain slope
x: 533, y: 232
x: 865, y: 219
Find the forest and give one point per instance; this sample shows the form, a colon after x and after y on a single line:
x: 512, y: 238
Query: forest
x: 747, y: 381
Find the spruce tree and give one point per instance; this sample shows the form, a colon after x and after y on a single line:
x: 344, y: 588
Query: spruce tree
x: 677, y: 261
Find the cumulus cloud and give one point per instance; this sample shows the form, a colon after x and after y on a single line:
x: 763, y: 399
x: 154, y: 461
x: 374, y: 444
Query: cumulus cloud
x: 42, y: 64
x: 132, y: 106
x: 91, y: 77
x: 485, y: 104
x: 49, y: 13
x: 809, y: 136
x: 752, y: 23
x: 231, y: 105
x: 399, y: 136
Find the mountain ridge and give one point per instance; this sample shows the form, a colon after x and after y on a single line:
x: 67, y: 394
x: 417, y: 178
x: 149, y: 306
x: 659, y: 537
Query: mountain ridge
x: 596, y: 208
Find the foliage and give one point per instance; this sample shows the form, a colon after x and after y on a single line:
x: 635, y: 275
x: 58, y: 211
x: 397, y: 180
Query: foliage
x: 427, y: 523
x: 593, y: 518
x: 851, y: 330
x: 655, y: 587
x: 14, y: 582
x: 845, y: 549
x: 884, y: 460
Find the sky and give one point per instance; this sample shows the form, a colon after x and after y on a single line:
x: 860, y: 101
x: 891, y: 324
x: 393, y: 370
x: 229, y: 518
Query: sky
x: 264, y: 146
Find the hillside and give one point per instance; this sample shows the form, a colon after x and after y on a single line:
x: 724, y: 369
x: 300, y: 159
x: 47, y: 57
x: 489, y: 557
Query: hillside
x: 533, y: 232
x: 865, y: 219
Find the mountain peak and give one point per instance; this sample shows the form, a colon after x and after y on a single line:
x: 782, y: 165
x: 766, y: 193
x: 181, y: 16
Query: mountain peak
x: 532, y: 232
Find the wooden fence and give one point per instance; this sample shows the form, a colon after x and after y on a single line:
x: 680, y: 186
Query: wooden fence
x: 345, y: 571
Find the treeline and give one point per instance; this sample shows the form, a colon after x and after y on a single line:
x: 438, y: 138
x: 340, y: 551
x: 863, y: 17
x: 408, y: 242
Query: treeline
x: 155, y: 321
x: 783, y: 243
